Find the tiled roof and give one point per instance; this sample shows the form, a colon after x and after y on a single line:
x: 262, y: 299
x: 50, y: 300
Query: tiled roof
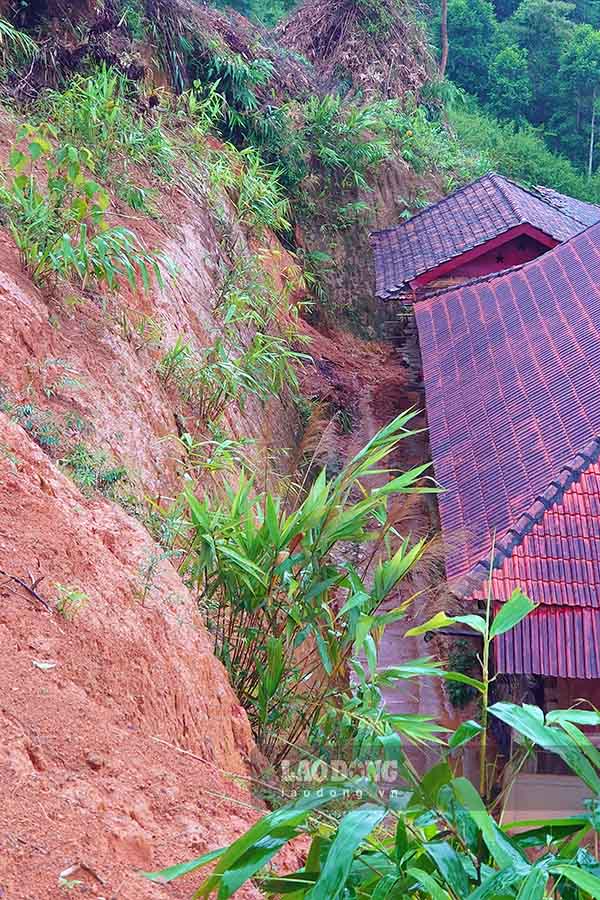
x: 588, y: 213
x: 468, y: 218
x: 562, y: 642
x: 512, y: 377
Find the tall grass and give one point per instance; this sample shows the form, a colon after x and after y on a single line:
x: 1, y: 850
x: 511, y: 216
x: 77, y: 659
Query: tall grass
x: 57, y: 218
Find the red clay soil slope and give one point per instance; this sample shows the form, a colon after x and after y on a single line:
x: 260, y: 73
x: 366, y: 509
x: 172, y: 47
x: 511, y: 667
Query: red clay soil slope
x: 94, y: 709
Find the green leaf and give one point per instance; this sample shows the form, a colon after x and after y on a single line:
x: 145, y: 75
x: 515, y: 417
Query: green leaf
x: 35, y: 150
x: 354, y: 827
x: 429, y: 884
x: 323, y: 651
x: 477, y: 623
x: 577, y: 716
x: 289, y: 816
x: 497, y: 887
x: 540, y: 830
x: 504, y: 852
x: 432, y: 782
x: 17, y: 160
x: 356, y: 600
x: 461, y: 678
x: 527, y: 723
x: 252, y: 860
x: 511, y: 613
x: 534, y: 885
x: 295, y: 884
x: 584, y: 880
x: 465, y: 732
x: 440, y: 620
x: 173, y: 872
x: 449, y: 865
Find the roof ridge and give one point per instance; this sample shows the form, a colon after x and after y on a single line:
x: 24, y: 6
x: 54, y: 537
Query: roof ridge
x: 541, y: 188
x: 426, y: 209
x: 500, y: 179
x: 531, y: 516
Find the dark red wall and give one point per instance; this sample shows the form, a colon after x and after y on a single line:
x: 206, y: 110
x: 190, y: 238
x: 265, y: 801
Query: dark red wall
x: 516, y: 251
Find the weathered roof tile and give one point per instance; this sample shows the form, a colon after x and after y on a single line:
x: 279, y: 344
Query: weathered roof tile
x: 512, y: 377
x: 471, y: 216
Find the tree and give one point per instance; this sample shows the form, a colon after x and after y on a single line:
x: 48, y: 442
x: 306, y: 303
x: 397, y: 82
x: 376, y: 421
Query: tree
x: 579, y: 75
x: 510, y: 92
x: 541, y: 27
x: 444, y: 38
x: 505, y: 8
x: 471, y: 37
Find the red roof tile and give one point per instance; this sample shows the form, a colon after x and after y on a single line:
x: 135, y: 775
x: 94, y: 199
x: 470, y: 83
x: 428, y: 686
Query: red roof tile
x: 562, y: 642
x: 512, y: 377
x: 468, y: 218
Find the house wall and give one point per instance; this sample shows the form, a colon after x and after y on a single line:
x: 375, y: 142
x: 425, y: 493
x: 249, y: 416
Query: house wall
x: 515, y: 252
x: 520, y: 246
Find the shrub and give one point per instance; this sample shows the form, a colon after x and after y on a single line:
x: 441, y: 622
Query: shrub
x: 61, y: 229
x: 210, y: 379
x: 286, y: 611
x: 41, y: 425
x: 256, y: 188
x: 15, y: 45
x: 92, y: 470
x: 433, y: 837
x: 347, y: 138
x: 70, y: 601
x: 97, y: 112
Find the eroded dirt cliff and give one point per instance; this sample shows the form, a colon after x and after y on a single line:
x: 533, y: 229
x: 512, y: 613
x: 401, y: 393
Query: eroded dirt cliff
x: 99, y: 713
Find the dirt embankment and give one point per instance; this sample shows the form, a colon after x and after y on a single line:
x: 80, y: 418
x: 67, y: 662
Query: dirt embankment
x: 122, y: 746
x: 95, y: 712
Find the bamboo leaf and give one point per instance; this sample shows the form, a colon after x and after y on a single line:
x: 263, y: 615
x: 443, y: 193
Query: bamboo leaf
x: 579, y: 877
x: 173, y: 872
x: 449, y: 865
x: 534, y: 886
x: 511, y: 613
x: 428, y: 884
x: 289, y: 816
x: 354, y: 827
x: 527, y: 723
x: 440, y: 620
x: 465, y: 732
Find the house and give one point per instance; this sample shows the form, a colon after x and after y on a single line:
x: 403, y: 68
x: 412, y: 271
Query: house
x: 511, y: 366
x: 486, y: 226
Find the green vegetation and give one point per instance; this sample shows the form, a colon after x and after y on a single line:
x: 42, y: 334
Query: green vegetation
x: 297, y: 583
x: 59, y: 221
x: 536, y: 61
x: 254, y: 355
x: 211, y: 378
x: 70, y: 601
x: 98, y: 112
x: 92, y: 470
x: 434, y: 836
x: 15, y: 45
x: 288, y: 619
x: 41, y: 425
x: 519, y: 152
x: 462, y: 657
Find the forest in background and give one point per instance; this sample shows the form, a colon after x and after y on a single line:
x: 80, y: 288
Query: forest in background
x: 527, y: 74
